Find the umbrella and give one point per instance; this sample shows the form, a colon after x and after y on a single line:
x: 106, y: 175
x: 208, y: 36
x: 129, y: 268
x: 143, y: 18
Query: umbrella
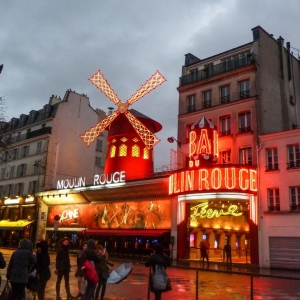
x: 120, y: 273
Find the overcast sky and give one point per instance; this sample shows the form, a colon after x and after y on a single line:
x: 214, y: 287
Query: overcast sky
x: 48, y: 47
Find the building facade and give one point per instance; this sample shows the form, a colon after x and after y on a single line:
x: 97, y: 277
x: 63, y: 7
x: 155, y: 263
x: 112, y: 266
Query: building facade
x: 37, y: 151
x: 245, y: 92
x: 279, y: 194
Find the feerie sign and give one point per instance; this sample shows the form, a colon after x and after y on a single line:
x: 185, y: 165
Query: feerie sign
x: 212, y: 179
x: 103, y: 179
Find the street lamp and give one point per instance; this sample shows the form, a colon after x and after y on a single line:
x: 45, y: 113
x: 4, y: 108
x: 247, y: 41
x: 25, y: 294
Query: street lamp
x: 172, y: 139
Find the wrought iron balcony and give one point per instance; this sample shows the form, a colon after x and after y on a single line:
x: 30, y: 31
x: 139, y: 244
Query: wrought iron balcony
x: 275, y: 207
x: 225, y: 99
x: 272, y: 167
x: 293, y: 164
x: 295, y: 206
x: 225, y: 132
x: 29, y: 135
x: 214, y: 70
x: 244, y: 129
x: 207, y: 104
x: 244, y: 94
x: 191, y: 108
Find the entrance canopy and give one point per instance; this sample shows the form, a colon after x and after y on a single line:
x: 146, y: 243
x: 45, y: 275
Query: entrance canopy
x: 14, y: 225
x: 128, y: 232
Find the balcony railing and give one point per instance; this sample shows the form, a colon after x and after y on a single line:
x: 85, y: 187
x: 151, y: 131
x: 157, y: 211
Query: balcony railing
x: 272, y: 167
x: 244, y: 94
x: 225, y: 132
x: 225, y: 99
x: 207, y: 104
x: 295, y: 206
x: 29, y: 135
x: 244, y: 129
x: 191, y: 108
x: 275, y: 207
x: 214, y: 70
x: 293, y: 164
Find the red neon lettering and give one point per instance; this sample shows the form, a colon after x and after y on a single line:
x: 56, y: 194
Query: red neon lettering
x: 232, y: 178
x: 192, y: 144
x: 176, y: 190
x: 216, y: 178
x: 203, y: 175
x: 253, y: 186
x: 243, y: 183
x: 189, y: 181
x: 182, y: 180
x: 204, y: 146
x: 216, y: 144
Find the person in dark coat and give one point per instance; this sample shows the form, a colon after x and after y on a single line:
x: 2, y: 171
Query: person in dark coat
x: 18, y: 268
x: 43, y: 272
x: 63, y: 267
x: 102, y: 271
x: 81, y: 281
x: 158, y: 258
x: 91, y: 255
x: 204, y: 246
x: 227, y: 252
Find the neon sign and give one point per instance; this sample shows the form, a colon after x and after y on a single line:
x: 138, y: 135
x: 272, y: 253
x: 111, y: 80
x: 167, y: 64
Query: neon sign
x: 103, y: 179
x: 69, y: 214
x: 202, y: 211
x: 218, y: 178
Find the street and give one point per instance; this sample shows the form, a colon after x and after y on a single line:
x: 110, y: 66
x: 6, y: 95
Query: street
x: 211, y: 285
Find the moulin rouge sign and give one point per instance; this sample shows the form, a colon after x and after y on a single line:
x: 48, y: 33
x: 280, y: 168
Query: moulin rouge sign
x: 203, y: 175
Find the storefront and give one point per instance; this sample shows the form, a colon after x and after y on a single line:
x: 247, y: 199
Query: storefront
x: 18, y: 220
x: 125, y: 217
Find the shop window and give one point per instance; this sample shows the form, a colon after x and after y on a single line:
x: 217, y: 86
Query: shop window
x: 271, y: 159
x: 13, y: 214
x: 123, y: 150
x: 273, y: 199
x: 146, y: 153
x: 135, y: 151
x: 29, y: 213
x: 113, y: 151
x: 295, y: 197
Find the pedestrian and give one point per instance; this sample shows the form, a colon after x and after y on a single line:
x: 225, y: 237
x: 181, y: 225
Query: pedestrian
x: 204, y: 246
x: 63, y: 267
x: 227, y: 252
x: 81, y: 281
x: 102, y: 271
x: 18, y: 268
x: 90, y: 255
x: 43, y: 272
x: 158, y: 258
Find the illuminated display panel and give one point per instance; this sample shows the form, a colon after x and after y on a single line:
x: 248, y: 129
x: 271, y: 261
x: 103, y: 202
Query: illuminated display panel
x: 143, y: 214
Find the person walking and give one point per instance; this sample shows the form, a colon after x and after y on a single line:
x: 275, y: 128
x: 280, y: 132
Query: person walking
x: 102, y: 271
x: 18, y: 268
x: 158, y: 258
x: 203, y: 250
x: 63, y: 267
x: 90, y: 254
x: 81, y: 281
x: 43, y: 272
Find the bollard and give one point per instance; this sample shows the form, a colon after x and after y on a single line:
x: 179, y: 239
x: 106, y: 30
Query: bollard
x: 251, y: 288
x: 197, y: 273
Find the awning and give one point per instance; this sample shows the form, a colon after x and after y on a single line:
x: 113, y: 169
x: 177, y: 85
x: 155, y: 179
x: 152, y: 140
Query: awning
x: 75, y: 229
x: 127, y: 232
x: 14, y: 225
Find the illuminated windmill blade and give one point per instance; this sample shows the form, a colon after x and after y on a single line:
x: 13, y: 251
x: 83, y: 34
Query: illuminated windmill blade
x: 154, y: 81
x: 90, y: 135
x: 101, y: 83
x: 149, y: 139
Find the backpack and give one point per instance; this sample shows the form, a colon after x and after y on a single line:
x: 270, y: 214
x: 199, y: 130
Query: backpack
x: 159, y: 278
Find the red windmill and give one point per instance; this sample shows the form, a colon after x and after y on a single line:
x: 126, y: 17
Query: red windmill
x: 131, y: 134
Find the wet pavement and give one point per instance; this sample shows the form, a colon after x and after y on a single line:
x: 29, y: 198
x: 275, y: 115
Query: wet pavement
x: 215, y: 281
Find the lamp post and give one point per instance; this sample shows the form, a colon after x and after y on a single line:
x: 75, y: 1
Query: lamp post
x: 172, y: 139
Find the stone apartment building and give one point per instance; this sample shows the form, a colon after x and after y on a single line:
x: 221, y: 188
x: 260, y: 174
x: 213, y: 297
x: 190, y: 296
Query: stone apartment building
x: 38, y: 150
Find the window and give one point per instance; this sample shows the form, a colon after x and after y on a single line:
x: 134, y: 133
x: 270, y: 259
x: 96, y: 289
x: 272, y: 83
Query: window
x: 225, y: 125
x: 244, y: 121
x: 18, y: 137
x: 19, y: 189
x: 293, y: 156
x: 99, y: 145
x: 207, y: 99
x: 295, y: 197
x: 274, y: 200
x: 43, y: 125
x: 208, y: 69
x: 135, y: 151
x: 193, y: 74
x: 98, y: 161
x: 2, y: 173
x: 123, y: 150
x: 271, y: 159
x: 225, y: 94
x: 245, y: 156
x: 244, y: 89
x: 33, y: 187
x: 12, y: 172
x: 113, y: 151
x: 24, y: 151
x: 39, y: 147
x: 10, y: 190
x: 146, y: 153
x: 191, y: 103
x: 21, y: 170
x: 225, y: 157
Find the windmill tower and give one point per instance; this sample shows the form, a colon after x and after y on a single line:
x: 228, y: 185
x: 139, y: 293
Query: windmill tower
x: 131, y: 135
